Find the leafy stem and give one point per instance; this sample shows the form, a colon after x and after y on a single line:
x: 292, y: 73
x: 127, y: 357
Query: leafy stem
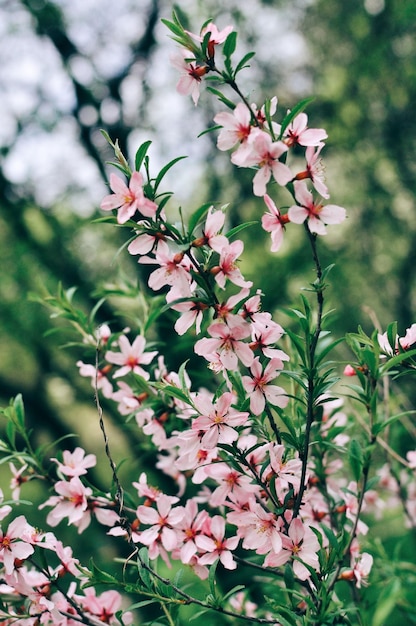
x: 311, y: 369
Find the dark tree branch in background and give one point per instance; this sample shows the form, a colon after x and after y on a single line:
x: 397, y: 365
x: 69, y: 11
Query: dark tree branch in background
x: 50, y: 22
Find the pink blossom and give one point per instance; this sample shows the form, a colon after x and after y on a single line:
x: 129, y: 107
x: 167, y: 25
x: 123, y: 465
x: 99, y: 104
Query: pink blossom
x: 409, y: 339
x: 349, y: 370
x: 385, y: 345
x: 264, y: 153
x: 131, y: 357
x: 192, y: 524
x: 210, y: 233
x: 191, y: 74
x: 301, y: 543
x: 316, y: 213
x: 226, y: 343
x: 411, y: 458
x: 72, y: 502
x: 231, y: 484
x: 224, y: 309
x: 162, y: 523
x: 274, y: 222
x: 316, y: 170
x: 75, y: 463
x: 11, y: 545
x: 216, y: 37
x: 68, y: 562
x: 192, y: 311
x: 259, y: 388
x: 260, y: 529
x: 298, y: 133
x: 152, y: 494
x: 261, y: 118
x: 128, y: 400
x: 98, y: 377
x: 191, y: 452
x: 362, y: 568
x: 217, y: 420
x: 216, y: 546
x: 144, y: 243
x: 227, y: 267
x: 173, y: 271
x: 287, y: 472
x: 265, y: 333
x: 236, y: 127
x: 104, y: 606
x: 240, y: 603
x: 17, y: 479
x: 361, y: 565
x: 129, y: 199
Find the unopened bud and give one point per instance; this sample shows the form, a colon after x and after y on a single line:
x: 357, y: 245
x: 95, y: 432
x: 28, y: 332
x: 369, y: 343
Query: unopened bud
x: 178, y: 258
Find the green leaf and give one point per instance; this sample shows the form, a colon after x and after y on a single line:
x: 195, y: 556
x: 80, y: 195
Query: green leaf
x: 232, y: 591
x: 298, y: 108
x: 174, y: 392
x: 99, y: 576
x: 212, y: 581
x: 331, y: 537
x: 356, y: 459
x: 11, y: 433
x: 243, y: 63
x: 197, y: 216
x: 165, y: 169
x: 378, y: 428
x: 386, y: 602
x: 392, y: 334
x: 140, y: 154
x: 397, y: 359
x: 139, y: 605
x: 209, y: 130
x: 19, y: 410
x: 231, y: 233
x: 198, y: 614
x: 289, y: 576
x: 322, y: 352
x: 230, y: 44
x: 229, y: 103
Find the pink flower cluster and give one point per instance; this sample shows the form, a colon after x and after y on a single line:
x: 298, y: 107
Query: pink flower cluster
x: 255, y: 483
x: 266, y: 147
x: 263, y: 144
x: 32, y: 588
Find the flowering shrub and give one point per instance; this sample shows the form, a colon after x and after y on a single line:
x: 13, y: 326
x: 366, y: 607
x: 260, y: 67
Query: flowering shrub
x: 278, y: 474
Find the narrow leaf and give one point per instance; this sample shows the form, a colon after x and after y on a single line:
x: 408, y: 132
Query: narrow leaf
x: 230, y: 44
x: 298, y: 108
x: 140, y: 154
x: 165, y: 169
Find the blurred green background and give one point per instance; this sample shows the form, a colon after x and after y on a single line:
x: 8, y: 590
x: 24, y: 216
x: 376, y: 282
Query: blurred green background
x: 70, y: 68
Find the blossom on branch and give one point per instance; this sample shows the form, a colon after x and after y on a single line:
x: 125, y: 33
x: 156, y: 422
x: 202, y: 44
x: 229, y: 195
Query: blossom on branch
x: 274, y: 223
x: 191, y: 74
x: 129, y: 199
x: 298, y: 133
x: 316, y: 213
x: 264, y: 153
x: 226, y: 343
x: 259, y: 388
x: 12, y: 547
x: 131, y: 357
x: 217, y: 420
